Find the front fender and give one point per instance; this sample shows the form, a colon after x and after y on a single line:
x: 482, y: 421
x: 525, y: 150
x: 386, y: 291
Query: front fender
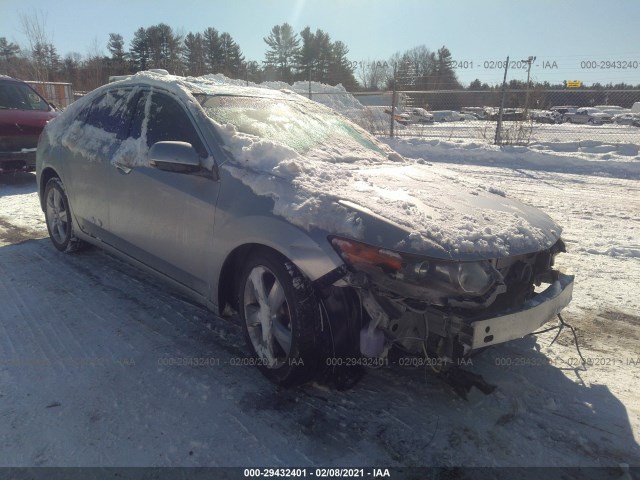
x: 312, y: 254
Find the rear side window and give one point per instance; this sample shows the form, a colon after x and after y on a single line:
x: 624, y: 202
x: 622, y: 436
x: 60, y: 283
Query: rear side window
x: 164, y: 120
x: 111, y: 112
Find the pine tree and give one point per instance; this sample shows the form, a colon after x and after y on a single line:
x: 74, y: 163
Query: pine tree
x: 232, y: 58
x: 118, y: 55
x: 164, y: 48
x: 305, y: 60
x: 8, y: 57
x: 8, y: 50
x: 340, y: 69
x: 445, y: 74
x: 314, y: 56
x: 283, y: 45
x: 212, y: 51
x: 193, y: 54
x: 139, y: 50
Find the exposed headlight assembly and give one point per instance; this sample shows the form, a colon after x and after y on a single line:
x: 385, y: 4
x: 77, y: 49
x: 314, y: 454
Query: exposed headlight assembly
x: 449, y: 278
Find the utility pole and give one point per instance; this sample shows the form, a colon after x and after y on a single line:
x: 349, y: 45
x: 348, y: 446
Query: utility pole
x: 498, y: 139
x: 529, y: 60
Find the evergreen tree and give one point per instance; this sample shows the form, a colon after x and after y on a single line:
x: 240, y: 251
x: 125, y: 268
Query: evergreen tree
x: 8, y: 57
x: 193, y: 54
x: 283, y: 48
x: 232, y: 58
x: 164, y: 48
x: 115, y: 45
x: 139, y: 50
x: 340, y: 69
x: 8, y: 50
x: 212, y: 50
x: 315, y: 56
x: 445, y: 75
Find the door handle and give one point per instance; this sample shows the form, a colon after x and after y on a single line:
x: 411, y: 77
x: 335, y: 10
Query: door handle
x: 122, y: 168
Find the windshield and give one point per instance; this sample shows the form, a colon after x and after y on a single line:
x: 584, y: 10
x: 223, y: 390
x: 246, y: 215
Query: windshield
x: 299, y: 126
x: 20, y: 97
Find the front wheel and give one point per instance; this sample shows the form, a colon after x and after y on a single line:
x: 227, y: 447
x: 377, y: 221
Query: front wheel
x: 58, y: 217
x: 281, y: 318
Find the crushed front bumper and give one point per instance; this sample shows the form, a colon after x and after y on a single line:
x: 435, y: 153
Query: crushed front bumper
x: 527, y: 319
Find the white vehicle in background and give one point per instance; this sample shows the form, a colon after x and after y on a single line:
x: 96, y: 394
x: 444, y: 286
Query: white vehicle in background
x: 545, y: 116
x: 590, y: 115
x: 469, y: 116
x: 480, y: 113
x: 627, y: 118
x: 610, y: 108
x: 446, y: 116
x: 420, y: 115
x: 565, y: 111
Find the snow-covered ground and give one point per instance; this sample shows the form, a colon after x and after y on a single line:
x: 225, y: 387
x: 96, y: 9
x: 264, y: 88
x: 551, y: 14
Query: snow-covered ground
x: 92, y: 353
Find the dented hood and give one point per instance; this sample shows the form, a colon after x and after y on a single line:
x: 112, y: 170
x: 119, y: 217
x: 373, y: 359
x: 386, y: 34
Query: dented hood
x: 433, y: 211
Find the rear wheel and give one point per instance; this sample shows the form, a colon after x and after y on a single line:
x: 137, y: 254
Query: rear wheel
x: 281, y: 318
x: 58, y: 217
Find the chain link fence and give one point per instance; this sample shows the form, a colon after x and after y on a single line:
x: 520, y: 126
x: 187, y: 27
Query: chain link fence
x: 534, y: 116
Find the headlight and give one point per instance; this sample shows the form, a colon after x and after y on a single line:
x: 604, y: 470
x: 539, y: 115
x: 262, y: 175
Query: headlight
x: 474, y: 278
x: 467, y: 279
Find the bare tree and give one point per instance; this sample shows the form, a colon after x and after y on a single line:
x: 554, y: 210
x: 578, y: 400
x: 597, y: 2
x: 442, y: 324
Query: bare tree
x: 373, y: 74
x: 95, y: 65
x: 34, y: 28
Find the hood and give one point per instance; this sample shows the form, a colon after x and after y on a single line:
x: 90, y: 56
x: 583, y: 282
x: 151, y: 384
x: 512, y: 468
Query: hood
x: 406, y: 206
x: 431, y: 211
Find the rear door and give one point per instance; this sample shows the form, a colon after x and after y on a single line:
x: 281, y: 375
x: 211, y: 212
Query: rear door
x: 91, y: 141
x: 164, y: 219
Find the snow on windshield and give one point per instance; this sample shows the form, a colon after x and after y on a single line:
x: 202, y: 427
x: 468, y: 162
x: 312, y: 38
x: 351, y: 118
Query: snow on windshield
x: 299, y: 126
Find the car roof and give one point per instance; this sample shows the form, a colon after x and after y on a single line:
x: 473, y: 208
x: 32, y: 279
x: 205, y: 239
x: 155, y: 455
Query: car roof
x: 200, y: 86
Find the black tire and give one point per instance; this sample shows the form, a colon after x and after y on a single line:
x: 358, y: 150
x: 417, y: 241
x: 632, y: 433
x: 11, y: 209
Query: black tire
x: 274, y: 295
x: 58, y: 217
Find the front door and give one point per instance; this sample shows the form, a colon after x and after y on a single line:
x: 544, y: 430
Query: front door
x: 163, y: 219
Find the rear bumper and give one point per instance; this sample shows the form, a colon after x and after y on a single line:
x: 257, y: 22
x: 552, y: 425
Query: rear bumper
x: 23, y: 161
x: 527, y: 319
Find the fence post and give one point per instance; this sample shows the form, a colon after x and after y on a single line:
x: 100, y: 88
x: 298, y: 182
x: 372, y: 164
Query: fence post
x: 393, y: 102
x: 498, y: 139
x: 530, y: 60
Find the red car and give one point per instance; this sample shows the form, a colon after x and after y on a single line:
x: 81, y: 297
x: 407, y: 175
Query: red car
x: 23, y: 115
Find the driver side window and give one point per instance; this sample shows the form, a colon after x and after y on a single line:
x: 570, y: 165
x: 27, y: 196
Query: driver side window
x: 166, y: 121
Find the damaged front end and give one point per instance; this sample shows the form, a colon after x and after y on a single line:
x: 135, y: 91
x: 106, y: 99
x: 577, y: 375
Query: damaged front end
x: 445, y: 309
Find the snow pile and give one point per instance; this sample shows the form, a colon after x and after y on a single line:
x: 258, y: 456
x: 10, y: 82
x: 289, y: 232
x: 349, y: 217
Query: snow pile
x: 335, y: 97
x: 372, y: 119
x: 593, y: 150
x: 568, y: 157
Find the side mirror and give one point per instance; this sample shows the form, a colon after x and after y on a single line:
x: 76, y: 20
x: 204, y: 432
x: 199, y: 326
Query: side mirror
x: 178, y: 157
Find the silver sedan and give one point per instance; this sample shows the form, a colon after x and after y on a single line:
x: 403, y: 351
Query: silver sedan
x: 333, y: 249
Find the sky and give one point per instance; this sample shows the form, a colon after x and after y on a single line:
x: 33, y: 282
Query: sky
x: 587, y: 40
